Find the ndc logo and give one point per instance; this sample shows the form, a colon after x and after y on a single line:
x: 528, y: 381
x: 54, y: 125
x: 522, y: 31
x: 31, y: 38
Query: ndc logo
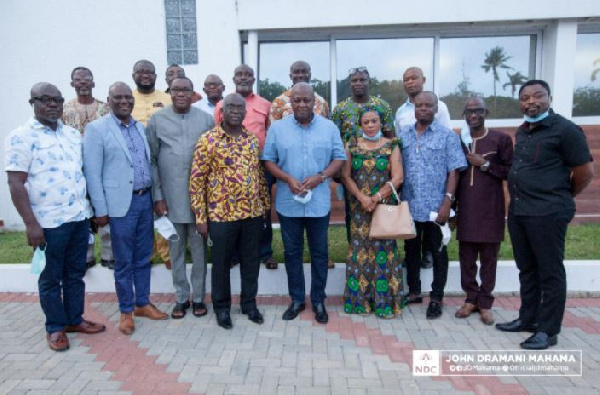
x: 426, y: 362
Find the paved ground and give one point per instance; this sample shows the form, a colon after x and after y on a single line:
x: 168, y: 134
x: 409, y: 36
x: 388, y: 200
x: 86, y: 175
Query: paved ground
x: 350, y: 355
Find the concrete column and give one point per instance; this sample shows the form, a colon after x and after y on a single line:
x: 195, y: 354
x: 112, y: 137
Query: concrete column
x: 559, y: 47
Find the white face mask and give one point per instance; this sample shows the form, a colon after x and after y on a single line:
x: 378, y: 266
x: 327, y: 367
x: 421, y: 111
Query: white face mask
x: 303, y: 198
x: 166, y: 228
x: 38, y: 262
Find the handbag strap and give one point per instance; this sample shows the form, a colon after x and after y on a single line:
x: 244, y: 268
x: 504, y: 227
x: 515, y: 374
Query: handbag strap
x: 394, y: 191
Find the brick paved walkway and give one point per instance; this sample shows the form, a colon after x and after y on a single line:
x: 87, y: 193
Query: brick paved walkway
x: 350, y: 355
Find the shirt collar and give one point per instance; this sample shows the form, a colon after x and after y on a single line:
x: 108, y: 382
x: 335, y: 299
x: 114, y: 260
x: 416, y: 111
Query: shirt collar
x: 309, y: 124
x: 120, y: 123
x: 222, y: 134
x: 37, y: 125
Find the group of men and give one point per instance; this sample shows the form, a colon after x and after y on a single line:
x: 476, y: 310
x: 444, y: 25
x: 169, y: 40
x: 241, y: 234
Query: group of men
x: 207, y: 164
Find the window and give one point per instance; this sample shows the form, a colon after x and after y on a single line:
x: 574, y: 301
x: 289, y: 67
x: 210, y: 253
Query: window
x: 491, y: 67
x: 586, y: 95
x: 182, y: 43
x: 386, y: 60
x: 275, y: 60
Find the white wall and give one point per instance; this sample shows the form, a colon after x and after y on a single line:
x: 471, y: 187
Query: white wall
x: 43, y: 40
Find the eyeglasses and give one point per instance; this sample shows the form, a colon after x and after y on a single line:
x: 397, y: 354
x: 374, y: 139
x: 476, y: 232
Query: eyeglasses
x: 182, y: 90
x: 477, y: 111
x: 86, y: 79
x: 47, y: 99
x: 361, y: 69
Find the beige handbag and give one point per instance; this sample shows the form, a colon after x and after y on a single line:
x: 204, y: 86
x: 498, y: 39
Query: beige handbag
x: 391, y: 222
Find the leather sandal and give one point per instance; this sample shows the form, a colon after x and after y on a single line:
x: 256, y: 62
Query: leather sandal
x: 199, y: 309
x: 179, y: 310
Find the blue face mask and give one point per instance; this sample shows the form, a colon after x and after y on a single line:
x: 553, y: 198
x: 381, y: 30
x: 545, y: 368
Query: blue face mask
x: 374, y: 138
x: 537, y: 119
x: 38, y: 263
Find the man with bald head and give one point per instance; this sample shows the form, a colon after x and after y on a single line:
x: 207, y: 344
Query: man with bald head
x: 481, y: 208
x: 256, y: 122
x: 45, y: 154
x: 302, y: 152
x: 282, y: 105
x: 213, y: 88
x: 119, y: 180
x: 229, y: 199
x: 432, y: 158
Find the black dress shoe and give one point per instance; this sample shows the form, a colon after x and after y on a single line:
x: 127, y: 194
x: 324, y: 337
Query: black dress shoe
x: 91, y: 263
x: 254, y: 315
x: 413, y: 298
x: 539, y: 341
x: 320, y: 313
x: 516, y: 326
x: 293, y: 311
x: 434, y: 310
x: 224, y: 320
x: 108, y: 263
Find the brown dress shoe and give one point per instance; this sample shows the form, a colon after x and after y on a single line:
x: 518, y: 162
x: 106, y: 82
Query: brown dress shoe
x: 58, y: 341
x: 86, y: 326
x: 168, y: 265
x: 465, y: 310
x: 486, y: 316
x: 126, y: 325
x: 330, y: 264
x: 150, y: 311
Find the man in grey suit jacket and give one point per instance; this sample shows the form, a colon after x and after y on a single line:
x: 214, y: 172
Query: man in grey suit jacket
x: 116, y: 159
x: 172, y: 134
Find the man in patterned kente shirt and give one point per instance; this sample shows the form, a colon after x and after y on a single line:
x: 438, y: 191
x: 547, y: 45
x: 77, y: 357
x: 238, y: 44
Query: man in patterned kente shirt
x: 229, y: 198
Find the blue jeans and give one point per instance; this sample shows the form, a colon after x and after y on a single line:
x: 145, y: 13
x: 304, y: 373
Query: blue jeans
x: 266, y: 250
x: 132, y: 238
x: 292, y: 234
x: 61, y: 286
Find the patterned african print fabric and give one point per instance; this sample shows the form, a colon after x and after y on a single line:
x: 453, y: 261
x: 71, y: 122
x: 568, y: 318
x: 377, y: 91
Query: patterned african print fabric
x: 78, y: 115
x: 282, y: 106
x: 227, y: 181
x: 374, y: 281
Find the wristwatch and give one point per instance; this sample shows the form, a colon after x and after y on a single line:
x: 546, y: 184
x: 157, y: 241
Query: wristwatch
x: 450, y: 196
x: 323, y: 177
x: 485, y: 166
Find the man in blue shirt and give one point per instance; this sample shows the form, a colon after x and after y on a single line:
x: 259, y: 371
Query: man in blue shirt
x: 432, y: 157
x: 302, y: 152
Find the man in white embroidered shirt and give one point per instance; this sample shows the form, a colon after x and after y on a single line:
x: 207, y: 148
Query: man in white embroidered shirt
x: 46, y: 156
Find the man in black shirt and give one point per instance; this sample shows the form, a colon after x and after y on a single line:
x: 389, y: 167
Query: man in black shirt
x: 552, y: 164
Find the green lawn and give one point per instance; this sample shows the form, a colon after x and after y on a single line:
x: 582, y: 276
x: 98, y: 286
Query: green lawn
x: 582, y: 243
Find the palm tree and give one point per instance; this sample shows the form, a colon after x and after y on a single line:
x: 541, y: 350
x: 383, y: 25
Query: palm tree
x: 514, y: 80
x: 494, y: 60
x: 596, y: 70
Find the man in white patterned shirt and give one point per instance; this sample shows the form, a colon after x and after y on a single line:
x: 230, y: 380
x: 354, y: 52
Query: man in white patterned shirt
x: 44, y: 168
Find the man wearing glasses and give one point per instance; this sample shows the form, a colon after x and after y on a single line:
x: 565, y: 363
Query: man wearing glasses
x: 46, y: 155
x: 481, y: 208
x: 213, y: 88
x: 172, y: 135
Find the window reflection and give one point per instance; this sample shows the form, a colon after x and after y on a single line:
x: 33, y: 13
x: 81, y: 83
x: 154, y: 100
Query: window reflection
x: 586, y: 96
x: 386, y: 60
x: 275, y: 60
x: 492, y: 67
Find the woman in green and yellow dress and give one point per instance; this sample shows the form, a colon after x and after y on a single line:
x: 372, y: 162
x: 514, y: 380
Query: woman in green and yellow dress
x: 374, y: 281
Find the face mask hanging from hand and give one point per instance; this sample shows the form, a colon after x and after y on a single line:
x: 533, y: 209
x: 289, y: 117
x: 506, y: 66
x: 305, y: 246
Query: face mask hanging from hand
x: 38, y: 263
x: 303, y: 198
x: 166, y: 229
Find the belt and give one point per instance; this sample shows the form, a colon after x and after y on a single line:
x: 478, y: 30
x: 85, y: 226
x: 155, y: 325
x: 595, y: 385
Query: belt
x: 141, y: 191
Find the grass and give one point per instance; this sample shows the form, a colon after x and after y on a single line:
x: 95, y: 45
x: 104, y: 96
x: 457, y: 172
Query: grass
x: 581, y: 244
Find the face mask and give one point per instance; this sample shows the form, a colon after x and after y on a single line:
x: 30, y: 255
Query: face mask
x: 38, y: 263
x: 166, y: 229
x: 465, y: 134
x: 374, y: 138
x: 303, y: 197
x: 537, y: 119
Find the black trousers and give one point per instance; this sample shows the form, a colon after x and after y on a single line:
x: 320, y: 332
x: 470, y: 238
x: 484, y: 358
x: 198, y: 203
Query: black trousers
x: 429, y: 234
x: 244, y: 237
x: 539, y: 249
